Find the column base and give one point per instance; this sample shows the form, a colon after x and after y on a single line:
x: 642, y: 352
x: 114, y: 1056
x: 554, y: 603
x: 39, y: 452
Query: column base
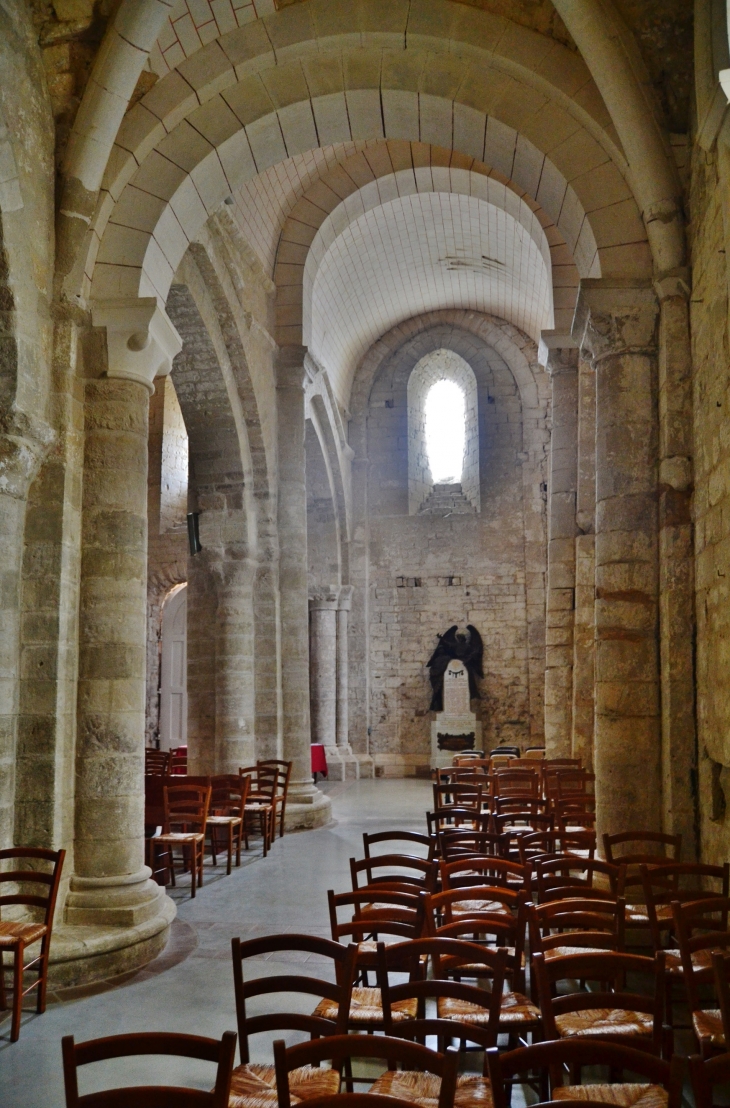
x: 120, y: 901
x: 305, y: 811
x: 342, y: 764
x: 84, y: 954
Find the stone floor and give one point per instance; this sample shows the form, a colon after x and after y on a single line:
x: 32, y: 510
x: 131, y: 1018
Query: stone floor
x: 190, y: 986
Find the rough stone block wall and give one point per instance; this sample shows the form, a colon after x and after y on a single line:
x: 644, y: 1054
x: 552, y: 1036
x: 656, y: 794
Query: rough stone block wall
x: 711, y: 355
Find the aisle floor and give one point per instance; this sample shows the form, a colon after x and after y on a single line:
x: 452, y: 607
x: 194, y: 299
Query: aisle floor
x: 190, y: 987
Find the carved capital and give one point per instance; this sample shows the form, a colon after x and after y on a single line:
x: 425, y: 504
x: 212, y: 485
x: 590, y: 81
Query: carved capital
x: 344, y: 602
x: 324, y: 598
x: 555, y: 351
x: 141, y: 340
x: 616, y: 316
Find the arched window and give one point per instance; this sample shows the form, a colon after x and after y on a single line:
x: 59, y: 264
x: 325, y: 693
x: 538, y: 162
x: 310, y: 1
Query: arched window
x: 443, y: 434
x: 445, y: 417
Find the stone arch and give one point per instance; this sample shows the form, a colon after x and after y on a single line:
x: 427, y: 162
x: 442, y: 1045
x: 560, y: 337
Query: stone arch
x: 186, y: 148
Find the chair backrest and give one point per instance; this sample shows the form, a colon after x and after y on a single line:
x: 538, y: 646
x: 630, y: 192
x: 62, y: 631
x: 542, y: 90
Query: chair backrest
x: 219, y: 1051
x: 342, y: 1048
x: 156, y: 762
x: 683, y: 882
x: 572, y: 781
x: 535, y: 752
x: 557, y: 874
x: 556, y: 842
x: 578, y: 811
x: 566, y: 1057
x: 229, y: 792
x: 650, y: 847
x: 459, y: 794
x: 264, y: 781
x: 284, y: 772
x: 504, y: 930
x: 517, y: 782
x: 342, y: 961
x: 705, y: 1073
x: 372, y: 838
x: 31, y: 886
x: 403, y: 868
x: 445, y: 907
x: 513, y: 751
x: 521, y: 822
x: 489, y: 870
x: 456, y: 816
x: 178, y: 760
x: 701, y: 926
x: 393, y: 913
x: 608, y: 968
x: 577, y: 923
x: 186, y: 806
x: 458, y: 843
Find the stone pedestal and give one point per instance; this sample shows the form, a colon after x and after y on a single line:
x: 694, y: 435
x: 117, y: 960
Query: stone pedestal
x: 111, y: 886
x: 307, y: 806
x: 456, y: 721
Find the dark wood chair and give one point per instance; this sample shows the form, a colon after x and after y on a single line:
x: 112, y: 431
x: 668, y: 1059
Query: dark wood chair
x: 403, y: 869
x: 252, y: 1081
x: 229, y: 793
x: 562, y: 927
x: 467, y: 902
x: 370, y: 839
x: 610, y: 1012
x: 633, y: 849
x: 659, y: 1084
x: 413, y: 1059
x: 186, y: 808
x: 541, y: 843
x: 282, y: 788
x: 705, y: 1073
x: 456, y: 816
x: 178, y: 761
x: 488, y: 870
x: 459, y: 794
x: 459, y: 843
x: 220, y: 1052
x: 570, y: 875
x: 156, y: 762
x: 261, y: 803
x: 701, y: 930
x: 31, y: 887
x: 517, y: 783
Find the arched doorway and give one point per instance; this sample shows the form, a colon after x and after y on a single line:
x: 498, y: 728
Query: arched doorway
x: 173, y: 670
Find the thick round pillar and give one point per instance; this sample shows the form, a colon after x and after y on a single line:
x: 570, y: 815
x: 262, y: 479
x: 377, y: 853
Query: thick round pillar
x: 344, y: 603
x: 307, y: 806
x: 234, y: 675
x: 323, y: 664
x: 618, y: 324
x: 111, y: 884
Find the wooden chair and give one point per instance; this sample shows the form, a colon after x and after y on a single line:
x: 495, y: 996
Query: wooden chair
x: 633, y: 849
x: 252, y: 1081
x: 576, y: 813
x: 178, y: 761
x: 457, y: 904
x: 282, y: 788
x: 220, y: 1052
x: 489, y: 870
x: 613, y: 1013
x: 186, y: 807
x: 660, y: 1082
x: 372, y: 838
x: 414, y: 1059
x: 568, y: 875
x: 156, y: 762
x: 563, y: 927
x: 229, y: 793
x: 402, y: 869
x: 31, y: 888
x: 534, y: 752
x: 261, y: 804
x: 445, y: 819
x: 458, y: 794
x: 701, y: 928
x: 541, y: 843
x: 517, y: 782
x: 705, y: 1073
x: 458, y: 843
x: 372, y: 914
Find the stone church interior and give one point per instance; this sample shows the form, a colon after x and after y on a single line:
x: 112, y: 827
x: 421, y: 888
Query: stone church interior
x: 365, y: 535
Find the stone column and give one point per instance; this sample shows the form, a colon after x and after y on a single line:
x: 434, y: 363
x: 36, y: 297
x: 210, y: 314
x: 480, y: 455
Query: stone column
x: 676, y: 564
x: 234, y: 668
x: 307, y: 806
x: 584, y: 625
x: 344, y: 603
x: 616, y: 324
x: 323, y: 665
x: 562, y: 365
x: 111, y: 884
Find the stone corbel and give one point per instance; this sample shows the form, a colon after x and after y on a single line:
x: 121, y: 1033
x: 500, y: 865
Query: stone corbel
x: 141, y: 340
x: 553, y: 340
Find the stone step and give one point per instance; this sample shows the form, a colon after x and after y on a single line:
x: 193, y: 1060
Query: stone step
x: 446, y: 500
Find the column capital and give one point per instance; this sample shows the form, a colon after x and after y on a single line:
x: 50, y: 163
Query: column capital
x: 551, y: 344
x: 324, y: 598
x: 291, y: 368
x: 674, y: 285
x: 616, y: 315
x: 344, y: 600
x: 141, y: 340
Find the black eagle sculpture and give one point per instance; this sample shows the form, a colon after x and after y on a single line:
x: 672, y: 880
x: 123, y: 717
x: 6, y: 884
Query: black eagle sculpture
x: 463, y: 646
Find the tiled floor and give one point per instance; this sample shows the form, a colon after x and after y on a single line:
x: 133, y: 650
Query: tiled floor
x: 189, y: 987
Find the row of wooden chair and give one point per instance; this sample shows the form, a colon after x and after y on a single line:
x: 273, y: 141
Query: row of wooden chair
x: 164, y: 763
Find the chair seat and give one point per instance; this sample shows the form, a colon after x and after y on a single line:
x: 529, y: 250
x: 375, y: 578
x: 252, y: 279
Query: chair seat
x: 564, y: 951
x: 605, y: 1023
x: 12, y: 933
x: 218, y: 820
x: 636, y: 913
x: 515, y: 1010
x: 257, y: 807
x: 472, y: 1091
x: 254, y: 1085
x: 625, y: 1096
x: 179, y: 837
x: 707, y: 1026
x: 469, y: 907
x: 701, y: 959
x: 366, y: 1007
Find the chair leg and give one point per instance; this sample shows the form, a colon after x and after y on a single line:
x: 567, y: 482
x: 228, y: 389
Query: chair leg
x: 238, y: 843
x: 230, y: 849
x: 43, y: 975
x: 264, y: 824
x: 3, y: 1000
x: 213, y: 846
x: 17, y: 993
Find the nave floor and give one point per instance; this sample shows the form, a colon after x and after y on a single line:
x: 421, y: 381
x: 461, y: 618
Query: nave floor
x: 190, y: 986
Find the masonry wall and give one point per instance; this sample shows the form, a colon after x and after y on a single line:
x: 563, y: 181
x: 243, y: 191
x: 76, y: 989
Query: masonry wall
x: 711, y: 388
x: 427, y: 572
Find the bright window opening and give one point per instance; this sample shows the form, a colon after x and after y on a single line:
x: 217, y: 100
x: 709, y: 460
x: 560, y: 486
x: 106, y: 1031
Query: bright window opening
x: 445, y: 413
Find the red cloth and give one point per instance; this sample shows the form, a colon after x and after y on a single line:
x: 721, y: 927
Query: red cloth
x: 319, y: 762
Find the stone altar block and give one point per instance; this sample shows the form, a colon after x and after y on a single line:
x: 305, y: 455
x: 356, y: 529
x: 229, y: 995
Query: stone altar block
x: 458, y: 726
